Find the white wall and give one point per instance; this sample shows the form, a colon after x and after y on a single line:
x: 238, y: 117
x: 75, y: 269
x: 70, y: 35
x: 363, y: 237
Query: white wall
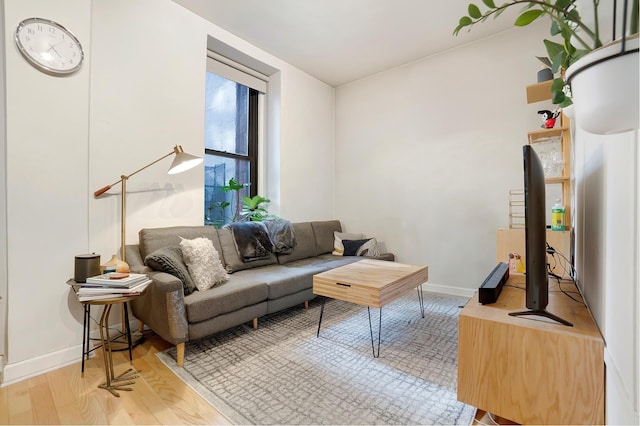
x: 3, y: 203
x: 608, y: 258
x: 426, y: 153
x: 147, y: 94
x: 47, y: 130
x: 140, y: 93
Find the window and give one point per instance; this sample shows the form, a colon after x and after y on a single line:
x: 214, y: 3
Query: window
x: 231, y: 144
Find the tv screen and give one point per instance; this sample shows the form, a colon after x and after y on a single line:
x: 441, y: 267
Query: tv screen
x: 537, y: 279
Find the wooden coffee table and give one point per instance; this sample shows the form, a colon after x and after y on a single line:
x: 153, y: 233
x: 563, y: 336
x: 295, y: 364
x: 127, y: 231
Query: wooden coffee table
x: 370, y: 283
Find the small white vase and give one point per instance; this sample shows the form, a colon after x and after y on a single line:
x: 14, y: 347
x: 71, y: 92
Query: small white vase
x: 605, y: 94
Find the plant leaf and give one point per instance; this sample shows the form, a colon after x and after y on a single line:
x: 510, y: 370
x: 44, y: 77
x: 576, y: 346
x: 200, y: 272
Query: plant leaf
x: 558, y: 97
x: 556, y: 53
x: 557, y: 85
x: 567, y: 102
x: 528, y: 17
x: 489, y: 3
x: 557, y: 62
x: 563, y: 3
x: 465, y: 21
x: 474, y: 11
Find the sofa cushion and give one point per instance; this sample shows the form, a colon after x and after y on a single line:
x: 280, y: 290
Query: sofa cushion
x: 323, y: 234
x: 305, y: 244
x: 151, y: 239
x: 170, y: 260
x: 203, y: 263
x: 235, y: 294
x: 233, y: 262
x: 283, y: 280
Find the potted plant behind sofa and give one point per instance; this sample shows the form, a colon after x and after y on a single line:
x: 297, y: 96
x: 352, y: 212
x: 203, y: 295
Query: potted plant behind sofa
x: 601, y: 81
x: 247, y: 208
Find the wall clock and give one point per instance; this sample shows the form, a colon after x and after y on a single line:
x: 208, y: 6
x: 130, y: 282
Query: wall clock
x: 49, y: 46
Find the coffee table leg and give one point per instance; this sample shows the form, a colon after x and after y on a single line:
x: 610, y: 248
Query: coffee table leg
x: 321, y: 312
x: 375, y: 355
x: 421, y: 299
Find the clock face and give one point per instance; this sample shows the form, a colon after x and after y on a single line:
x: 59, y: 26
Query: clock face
x: 49, y: 46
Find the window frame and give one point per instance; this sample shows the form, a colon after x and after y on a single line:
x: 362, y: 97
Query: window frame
x: 252, y: 143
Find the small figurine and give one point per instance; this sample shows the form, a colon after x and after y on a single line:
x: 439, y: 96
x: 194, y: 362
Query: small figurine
x: 516, y: 264
x: 548, y: 118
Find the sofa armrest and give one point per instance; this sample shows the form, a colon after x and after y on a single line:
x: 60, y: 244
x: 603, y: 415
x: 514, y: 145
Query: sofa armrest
x: 383, y: 256
x: 162, y: 308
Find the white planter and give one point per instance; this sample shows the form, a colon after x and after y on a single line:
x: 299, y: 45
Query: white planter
x: 605, y: 95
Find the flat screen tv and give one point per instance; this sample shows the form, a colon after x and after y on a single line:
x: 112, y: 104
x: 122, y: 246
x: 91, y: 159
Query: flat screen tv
x: 537, y: 279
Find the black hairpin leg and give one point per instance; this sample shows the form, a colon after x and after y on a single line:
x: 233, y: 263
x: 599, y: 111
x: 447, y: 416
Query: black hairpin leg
x: 127, y: 328
x: 321, y: 312
x: 85, y: 334
x: 375, y: 354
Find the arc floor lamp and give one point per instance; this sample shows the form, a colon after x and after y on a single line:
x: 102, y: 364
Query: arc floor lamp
x: 182, y: 162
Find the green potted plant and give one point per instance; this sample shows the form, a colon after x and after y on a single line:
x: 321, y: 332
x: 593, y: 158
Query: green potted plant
x: 253, y: 208
x: 247, y: 208
x: 579, y: 59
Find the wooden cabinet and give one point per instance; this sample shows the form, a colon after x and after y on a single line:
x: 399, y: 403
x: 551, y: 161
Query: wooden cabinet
x: 529, y: 370
x: 558, y: 140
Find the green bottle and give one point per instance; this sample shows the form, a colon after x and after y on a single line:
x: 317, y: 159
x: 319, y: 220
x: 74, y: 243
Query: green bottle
x: 557, y: 216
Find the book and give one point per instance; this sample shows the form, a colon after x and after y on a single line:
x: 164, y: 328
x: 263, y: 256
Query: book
x: 117, y: 291
x: 108, y: 281
x: 97, y: 297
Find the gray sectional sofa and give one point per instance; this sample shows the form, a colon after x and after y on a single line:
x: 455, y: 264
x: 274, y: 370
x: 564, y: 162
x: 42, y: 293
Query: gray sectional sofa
x: 254, y: 289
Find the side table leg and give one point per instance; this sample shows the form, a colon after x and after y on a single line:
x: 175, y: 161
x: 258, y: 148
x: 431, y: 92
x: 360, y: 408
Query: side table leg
x: 86, y: 325
x: 421, y: 299
x: 321, y: 312
x: 108, y: 360
x: 375, y: 355
x: 125, y: 307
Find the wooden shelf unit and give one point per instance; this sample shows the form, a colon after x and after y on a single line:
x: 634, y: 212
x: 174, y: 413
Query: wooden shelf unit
x: 542, y: 92
x: 539, y: 92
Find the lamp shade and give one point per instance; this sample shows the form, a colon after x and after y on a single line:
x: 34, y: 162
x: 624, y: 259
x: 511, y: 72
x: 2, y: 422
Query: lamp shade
x: 183, y: 161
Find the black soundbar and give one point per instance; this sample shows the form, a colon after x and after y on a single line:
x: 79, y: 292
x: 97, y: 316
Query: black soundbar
x: 492, y: 285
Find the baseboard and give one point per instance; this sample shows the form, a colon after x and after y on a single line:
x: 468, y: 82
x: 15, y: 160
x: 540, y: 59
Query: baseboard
x: 445, y: 289
x: 19, y: 371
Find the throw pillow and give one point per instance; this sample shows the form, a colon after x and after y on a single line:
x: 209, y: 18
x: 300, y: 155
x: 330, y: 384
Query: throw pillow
x: 351, y: 246
x: 369, y: 248
x: 169, y: 260
x: 366, y: 247
x: 203, y: 263
x: 338, y: 247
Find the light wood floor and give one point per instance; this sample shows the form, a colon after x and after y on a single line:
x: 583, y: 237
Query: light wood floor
x: 63, y: 396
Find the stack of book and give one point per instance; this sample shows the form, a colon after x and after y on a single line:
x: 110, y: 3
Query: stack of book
x: 112, y: 285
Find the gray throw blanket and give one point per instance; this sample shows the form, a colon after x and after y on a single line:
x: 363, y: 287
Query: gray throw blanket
x: 252, y: 240
x: 282, y: 235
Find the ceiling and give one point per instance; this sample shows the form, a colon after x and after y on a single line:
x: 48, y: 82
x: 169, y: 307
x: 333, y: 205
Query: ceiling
x: 338, y: 41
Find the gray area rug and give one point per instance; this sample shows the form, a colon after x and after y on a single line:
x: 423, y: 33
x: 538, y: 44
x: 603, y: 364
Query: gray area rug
x: 283, y: 374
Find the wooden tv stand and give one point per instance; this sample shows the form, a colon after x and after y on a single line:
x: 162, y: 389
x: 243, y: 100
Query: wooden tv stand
x: 531, y: 370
